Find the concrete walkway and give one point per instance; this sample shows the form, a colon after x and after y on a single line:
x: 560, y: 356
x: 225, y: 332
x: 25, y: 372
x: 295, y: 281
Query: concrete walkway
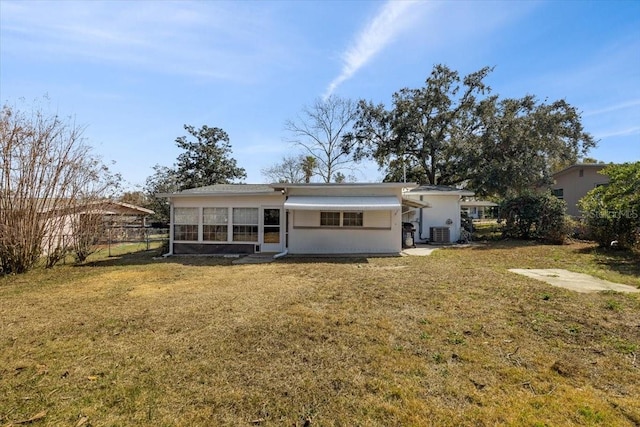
x: 254, y: 259
x: 418, y: 251
x: 577, y: 282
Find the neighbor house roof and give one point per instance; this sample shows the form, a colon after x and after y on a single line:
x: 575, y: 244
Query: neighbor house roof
x: 103, y: 207
x: 439, y: 190
x: 596, y: 166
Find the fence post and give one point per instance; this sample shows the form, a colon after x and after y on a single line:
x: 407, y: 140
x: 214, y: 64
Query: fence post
x: 146, y: 235
x: 109, y: 242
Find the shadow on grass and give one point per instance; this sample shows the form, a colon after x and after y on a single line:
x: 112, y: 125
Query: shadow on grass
x: 620, y: 261
x: 328, y: 259
x: 504, y: 244
x: 154, y: 256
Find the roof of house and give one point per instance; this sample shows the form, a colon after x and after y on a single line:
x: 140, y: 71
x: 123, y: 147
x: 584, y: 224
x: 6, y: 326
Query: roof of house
x: 101, y: 206
x: 229, y: 188
x: 440, y: 190
x: 477, y: 203
x: 597, y: 166
x: 265, y: 189
x: 345, y: 185
x: 224, y: 189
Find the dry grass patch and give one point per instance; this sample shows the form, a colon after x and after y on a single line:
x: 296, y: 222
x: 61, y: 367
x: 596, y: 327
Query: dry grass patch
x: 449, y: 339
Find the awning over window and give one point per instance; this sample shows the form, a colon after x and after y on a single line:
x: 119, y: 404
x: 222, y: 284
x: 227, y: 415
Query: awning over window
x: 326, y: 203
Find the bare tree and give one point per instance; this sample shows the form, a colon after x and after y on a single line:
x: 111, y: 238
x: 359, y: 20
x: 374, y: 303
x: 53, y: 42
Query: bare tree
x: 319, y: 130
x: 47, y: 175
x: 290, y: 169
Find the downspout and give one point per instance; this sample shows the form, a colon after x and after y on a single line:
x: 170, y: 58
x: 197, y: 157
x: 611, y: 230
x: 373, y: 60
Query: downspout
x: 420, y: 222
x: 281, y: 254
x: 170, y: 253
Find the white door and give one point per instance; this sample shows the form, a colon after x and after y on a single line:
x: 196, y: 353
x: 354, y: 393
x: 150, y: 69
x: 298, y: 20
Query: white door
x: 272, y: 229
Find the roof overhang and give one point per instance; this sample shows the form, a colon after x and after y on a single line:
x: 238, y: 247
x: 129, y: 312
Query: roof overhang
x: 415, y: 203
x: 477, y: 204
x: 352, y: 203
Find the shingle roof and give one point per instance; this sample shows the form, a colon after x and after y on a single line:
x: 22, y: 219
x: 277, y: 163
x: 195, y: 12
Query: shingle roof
x: 440, y: 189
x: 230, y: 188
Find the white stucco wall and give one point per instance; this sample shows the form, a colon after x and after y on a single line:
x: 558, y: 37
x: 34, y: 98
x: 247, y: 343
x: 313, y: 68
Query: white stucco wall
x: 443, y: 207
x: 381, y: 233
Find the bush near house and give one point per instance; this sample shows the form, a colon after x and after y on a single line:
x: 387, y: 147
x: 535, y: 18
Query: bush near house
x: 612, y: 212
x: 534, y: 216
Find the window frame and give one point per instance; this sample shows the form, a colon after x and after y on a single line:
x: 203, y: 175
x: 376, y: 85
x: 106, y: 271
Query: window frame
x: 328, y: 218
x: 243, y: 228
x: 215, y: 226
x: 356, y: 221
x: 344, y: 219
x: 185, y: 227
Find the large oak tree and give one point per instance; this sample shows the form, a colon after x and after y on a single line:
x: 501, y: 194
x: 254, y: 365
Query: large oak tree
x: 453, y: 131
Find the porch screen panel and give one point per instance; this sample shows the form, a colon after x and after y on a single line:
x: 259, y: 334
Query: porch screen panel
x: 245, y: 224
x: 185, y: 224
x: 215, y: 224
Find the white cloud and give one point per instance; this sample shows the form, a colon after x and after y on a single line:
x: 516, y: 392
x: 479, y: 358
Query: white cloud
x: 629, y: 131
x: 210, y: 39
x: 392, y: 18
x: 611, y: 108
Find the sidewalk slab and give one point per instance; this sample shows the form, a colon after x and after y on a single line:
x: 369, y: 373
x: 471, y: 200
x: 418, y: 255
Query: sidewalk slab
x: 578, y: 282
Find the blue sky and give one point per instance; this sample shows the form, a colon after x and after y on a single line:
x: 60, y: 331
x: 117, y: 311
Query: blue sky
x: 134, y: 72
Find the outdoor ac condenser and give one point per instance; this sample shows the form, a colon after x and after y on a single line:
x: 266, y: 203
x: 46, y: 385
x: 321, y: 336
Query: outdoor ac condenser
x: 439, y: 234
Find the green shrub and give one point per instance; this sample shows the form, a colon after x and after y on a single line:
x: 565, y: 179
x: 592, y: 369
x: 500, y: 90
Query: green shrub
x: 534, y: 216
x: 612, y: 212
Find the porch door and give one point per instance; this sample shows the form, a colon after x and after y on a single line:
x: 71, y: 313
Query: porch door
x: 271, y: 230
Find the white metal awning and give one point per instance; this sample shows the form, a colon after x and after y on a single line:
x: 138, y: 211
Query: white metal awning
x: 354, y: 203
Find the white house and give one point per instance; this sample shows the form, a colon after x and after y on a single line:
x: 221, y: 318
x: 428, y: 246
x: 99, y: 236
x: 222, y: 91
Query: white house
x: 351, y: 218
x: 439, y: 220
x: 292, y: 218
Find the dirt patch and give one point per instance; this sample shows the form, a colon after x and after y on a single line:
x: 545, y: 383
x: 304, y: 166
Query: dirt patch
x: 578, y: 282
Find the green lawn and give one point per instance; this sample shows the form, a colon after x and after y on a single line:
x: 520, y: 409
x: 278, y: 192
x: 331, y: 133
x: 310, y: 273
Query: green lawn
x: 451, y: 339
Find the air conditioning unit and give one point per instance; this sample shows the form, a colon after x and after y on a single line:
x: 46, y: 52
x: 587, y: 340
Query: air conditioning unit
x: 439, y: 235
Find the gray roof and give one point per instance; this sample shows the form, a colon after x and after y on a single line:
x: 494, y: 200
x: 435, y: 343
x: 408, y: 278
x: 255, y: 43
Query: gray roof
x: 230, y: 188
x: 440, y: 189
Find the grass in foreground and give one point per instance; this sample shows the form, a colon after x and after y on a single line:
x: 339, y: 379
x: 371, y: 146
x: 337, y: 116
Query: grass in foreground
x: 450, y: 339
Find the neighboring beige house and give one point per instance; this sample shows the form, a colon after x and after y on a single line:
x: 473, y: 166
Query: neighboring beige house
x: 574, y: 182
